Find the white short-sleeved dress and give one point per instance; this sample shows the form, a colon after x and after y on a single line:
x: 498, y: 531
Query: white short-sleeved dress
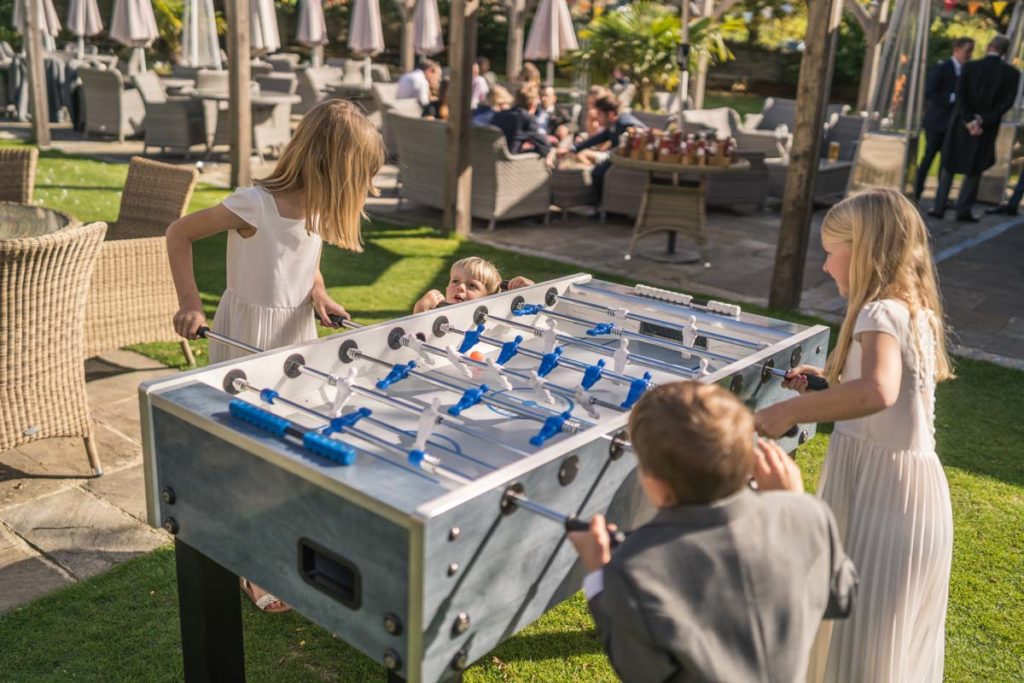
x: 270, y: 276
x: 890, y: 497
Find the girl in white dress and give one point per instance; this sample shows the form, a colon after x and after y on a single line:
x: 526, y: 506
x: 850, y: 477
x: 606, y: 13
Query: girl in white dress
x: 275, y: 229
x: 881, y: 475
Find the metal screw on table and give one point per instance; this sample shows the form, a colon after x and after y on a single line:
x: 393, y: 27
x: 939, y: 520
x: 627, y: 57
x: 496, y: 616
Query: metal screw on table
x: 460, y: 661
x: 171, y: 526
x: 453, y: 568
x: 392, y: 660
x: 802, y: 439
x: 461, y: 624
x: 453, y: 535
x: 167, y: 495
x: 392, y: 624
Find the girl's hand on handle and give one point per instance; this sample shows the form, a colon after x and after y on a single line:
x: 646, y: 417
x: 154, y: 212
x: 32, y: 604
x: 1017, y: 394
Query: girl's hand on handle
x: 595, y: 545
x: 796, y: 379
x: 773, y: 421
x: 519, y: 281
x: 428, y: 301
x: 774, y: 470
x: 187, y: 322
x: 326, y: 307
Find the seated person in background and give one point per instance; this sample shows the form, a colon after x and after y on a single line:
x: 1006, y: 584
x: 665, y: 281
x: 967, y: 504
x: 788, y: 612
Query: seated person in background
x: 529, y: 74
x: 498, y: 99
x: 519, y: 125
x: 419, y: 83
x: 613, y: 124
x: 438, y: 107
x: 550, y: 120
x: 485, y: 70
x: 478, y: 94
x: 590, y: 124
x: 725, y: 583
x: 620, y: 79
x: 469, y: 278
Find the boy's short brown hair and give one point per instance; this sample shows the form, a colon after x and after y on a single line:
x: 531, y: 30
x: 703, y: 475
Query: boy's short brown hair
x: 697, y: 438
x: 480, y: 269
x: 527, y: 95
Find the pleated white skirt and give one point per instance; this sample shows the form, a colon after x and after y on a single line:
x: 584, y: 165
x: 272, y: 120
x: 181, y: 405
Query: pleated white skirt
x: 896, y: 522
x: 263, y: 326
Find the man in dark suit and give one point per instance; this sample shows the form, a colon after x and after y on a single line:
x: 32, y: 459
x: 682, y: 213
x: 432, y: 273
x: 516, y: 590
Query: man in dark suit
x: 986, y: 91
x: 520, y: 125
x: 940, y: 94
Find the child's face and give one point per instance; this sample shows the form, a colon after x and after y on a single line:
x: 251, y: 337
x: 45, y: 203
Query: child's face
x: 461, y: 287
x: 837, y: 263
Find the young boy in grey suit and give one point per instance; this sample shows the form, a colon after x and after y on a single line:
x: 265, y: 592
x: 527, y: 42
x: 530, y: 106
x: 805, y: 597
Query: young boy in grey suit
x: 725, y: 583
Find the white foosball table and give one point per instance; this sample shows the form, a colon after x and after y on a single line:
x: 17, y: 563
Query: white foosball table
x: 408, y: 485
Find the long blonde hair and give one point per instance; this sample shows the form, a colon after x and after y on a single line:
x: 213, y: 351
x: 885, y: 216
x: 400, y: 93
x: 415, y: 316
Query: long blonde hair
x: 333, y: 157
x: 890, y: 259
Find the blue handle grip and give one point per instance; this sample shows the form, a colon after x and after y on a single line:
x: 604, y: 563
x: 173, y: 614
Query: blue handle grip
x: 258, y: 417
x: 329, y: 448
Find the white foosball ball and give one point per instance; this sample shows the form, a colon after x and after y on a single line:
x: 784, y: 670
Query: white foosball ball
x: 408, y: 485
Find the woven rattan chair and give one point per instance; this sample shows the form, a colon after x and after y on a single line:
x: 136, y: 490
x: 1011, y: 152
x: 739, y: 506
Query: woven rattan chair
x: 171, y: 122
x: 132, y: 298
x: 18, y: 173
x: 43, y: 285
x: 110, y: 109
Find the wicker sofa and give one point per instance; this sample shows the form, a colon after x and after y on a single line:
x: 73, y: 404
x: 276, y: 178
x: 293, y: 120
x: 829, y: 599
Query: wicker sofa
x: 739, y: 192
x: 505, y: 185
x: 131, y: 295
x: 110, y: 109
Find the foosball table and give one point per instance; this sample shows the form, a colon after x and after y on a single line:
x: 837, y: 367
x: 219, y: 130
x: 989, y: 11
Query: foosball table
x: 408, y: 485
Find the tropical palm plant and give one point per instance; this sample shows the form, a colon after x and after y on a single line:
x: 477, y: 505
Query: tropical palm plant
x: 644, y: 35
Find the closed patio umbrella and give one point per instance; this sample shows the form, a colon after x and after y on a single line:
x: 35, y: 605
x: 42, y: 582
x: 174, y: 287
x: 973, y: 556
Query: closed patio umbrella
x: 199, y: 46
x: 365, y: 34
x: 312, y: 31
x: 134, y: 25
x: 49, y: 24
x: 263, y: 18
x: 84, y: 20
x: 551, y: 35
x: 427, y: 38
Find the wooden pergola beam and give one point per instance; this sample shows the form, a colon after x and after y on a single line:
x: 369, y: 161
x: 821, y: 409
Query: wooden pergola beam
x: 239, y: 91
x: 458, y: 177
x: 407, y: 9
x: 812, y: 95
x: 39, y: 106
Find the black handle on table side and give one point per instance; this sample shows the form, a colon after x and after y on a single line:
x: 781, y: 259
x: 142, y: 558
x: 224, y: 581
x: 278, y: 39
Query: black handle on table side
x: 814, y: 383
x: 577, y: 524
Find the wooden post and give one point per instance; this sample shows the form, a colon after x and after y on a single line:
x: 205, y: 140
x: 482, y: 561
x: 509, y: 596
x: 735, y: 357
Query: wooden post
x: 406, y: 9
x: 812, y: 94
x: 239, y: 91
x: 458, y: 177
x: 38, y: 104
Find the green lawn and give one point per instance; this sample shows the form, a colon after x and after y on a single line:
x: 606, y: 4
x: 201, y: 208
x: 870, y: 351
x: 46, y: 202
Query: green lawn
x: 122, y: 626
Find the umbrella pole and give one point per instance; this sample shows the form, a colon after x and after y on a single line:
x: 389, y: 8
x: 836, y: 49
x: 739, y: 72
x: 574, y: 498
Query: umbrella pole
x: 317, y: 56
x: 551, y: 73
x: 366, y: 72
x: 81, y: 46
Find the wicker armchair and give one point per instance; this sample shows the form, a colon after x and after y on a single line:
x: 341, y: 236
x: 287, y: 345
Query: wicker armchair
x: 42, y: 389
x: 505, y: 185
x: 879, y: 162
x: 18, y: 173
x: 174, y: 122
x: 132, y: 297
x: 109, y: 108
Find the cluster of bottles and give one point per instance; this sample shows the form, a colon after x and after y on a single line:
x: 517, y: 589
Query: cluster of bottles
x: 671, y: 146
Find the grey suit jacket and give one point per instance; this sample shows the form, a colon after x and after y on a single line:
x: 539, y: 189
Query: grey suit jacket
x: 733, y: 591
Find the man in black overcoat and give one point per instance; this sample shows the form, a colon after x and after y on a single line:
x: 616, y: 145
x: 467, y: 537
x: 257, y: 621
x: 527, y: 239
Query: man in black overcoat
x: 987, y: 90
x: 940, y: 96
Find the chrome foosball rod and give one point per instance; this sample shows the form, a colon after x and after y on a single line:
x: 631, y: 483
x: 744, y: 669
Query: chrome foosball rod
x: 635, y: 358
x: 623, y: 313
x: 346, y: 425
x: 514, y: 499
x: 597, y: 329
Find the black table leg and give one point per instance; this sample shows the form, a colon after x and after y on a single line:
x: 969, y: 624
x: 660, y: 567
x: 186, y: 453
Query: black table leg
x: 211, y: 618
x: 671, y: 242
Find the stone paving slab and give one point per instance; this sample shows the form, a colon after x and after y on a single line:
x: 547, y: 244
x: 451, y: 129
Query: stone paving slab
x: 125, y: 489
x: 24, y: 575
x: 81, y: 532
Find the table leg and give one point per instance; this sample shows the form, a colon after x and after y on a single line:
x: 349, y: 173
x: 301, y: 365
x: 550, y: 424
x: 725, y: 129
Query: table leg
x: 211, y: 618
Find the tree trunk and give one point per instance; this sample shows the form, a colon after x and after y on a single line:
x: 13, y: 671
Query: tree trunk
x: 239, y: 72
x: 813, y: 89
x: 38, y: 104
x: 516, y: 33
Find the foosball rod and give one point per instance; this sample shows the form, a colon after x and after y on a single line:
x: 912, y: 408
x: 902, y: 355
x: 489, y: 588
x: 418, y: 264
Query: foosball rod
x: 636, y: 358
x: 646, y: 338
x: 569, y: 522
x: 429, y: 464
x: 450, y: 422
x: 725, y: 320
x: 572, y: 425
x: 710, y: 334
